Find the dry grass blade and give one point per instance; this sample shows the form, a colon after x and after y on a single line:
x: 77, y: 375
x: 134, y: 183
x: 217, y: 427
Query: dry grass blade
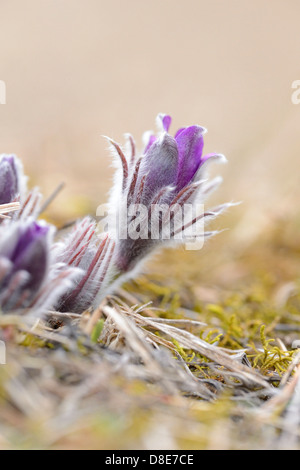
x: 292, y: 366
x: 158, y: 367
x: 179, y: 321
x: 290, y: 435
x: 134, y: 337
x: 189, y: 341
x: 7, y: 208
x: 51, y: 198
x: 279, y: 403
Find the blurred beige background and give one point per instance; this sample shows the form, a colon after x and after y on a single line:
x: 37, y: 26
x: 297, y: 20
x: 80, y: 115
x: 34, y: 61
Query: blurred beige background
x: 79, y: 69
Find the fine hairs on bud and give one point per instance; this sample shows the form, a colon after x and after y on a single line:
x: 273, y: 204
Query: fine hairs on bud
x: 168, y: 172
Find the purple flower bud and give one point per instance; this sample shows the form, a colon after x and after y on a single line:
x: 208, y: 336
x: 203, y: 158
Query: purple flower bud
x: 12, y: 180
x: 169, y: 172
x: 28, y: 278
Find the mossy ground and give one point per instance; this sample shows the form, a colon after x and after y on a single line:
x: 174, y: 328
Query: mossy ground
x: 82, y: 387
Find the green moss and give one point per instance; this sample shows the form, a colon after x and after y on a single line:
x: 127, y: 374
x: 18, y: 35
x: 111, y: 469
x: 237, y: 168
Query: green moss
x: 271, y: 358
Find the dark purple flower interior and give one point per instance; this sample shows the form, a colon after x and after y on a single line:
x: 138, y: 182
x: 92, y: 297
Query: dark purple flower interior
x: 31, y: 235
x: 31, y: 254
x: 190, y: 145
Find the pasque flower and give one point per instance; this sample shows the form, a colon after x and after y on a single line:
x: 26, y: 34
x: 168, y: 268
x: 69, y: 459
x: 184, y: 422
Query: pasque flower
x: 35, y: 273
x: 170, y: 172
x: 29, y: 276
x: 79, y: 270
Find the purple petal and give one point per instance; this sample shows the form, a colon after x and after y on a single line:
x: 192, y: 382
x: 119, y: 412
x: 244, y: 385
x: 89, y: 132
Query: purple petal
x: 179, y: 131
x: 160, y: 164
x: 164, y: 121
x: 190, y: 146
